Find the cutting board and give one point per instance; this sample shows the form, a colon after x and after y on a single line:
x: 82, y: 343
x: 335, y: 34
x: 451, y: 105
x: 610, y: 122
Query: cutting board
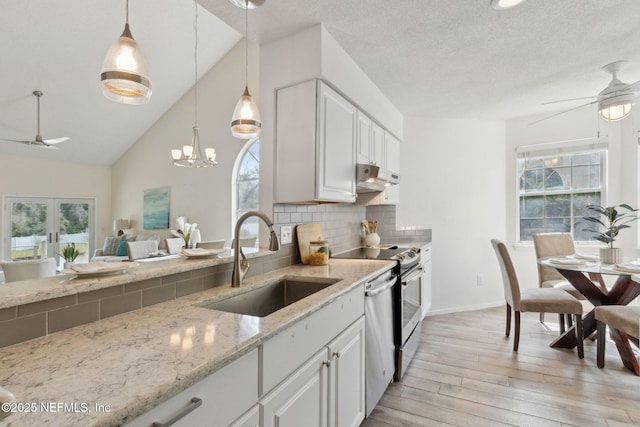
x: 307, y: 233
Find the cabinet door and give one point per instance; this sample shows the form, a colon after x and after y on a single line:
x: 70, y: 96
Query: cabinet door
x: 302, y: 399
x: 391, y: 195
x: 217, y: 400
x: 392, y: 153
x: 377, y: 145
x: 364, y: 145
x: 250, y: 419
x: 346, y: 376
x: 336, y: 147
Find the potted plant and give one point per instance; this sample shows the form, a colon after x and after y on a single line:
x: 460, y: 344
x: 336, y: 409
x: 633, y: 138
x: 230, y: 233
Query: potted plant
x: 612, y: 220
x: 69, y: 253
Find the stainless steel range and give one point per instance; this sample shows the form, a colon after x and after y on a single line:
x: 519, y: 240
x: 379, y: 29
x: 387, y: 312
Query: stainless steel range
x: 406, y: 302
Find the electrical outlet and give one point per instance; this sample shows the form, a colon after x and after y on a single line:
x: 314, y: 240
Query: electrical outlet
x: 479, y: 281
x: 285, y: 234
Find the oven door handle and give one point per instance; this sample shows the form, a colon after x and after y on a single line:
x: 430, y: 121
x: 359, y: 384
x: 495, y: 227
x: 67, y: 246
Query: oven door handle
x: 381, y: 289
x: 412, y: 276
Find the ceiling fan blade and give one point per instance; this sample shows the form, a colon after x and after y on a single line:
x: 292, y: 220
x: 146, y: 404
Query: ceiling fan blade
x: 21, y: 141
x: 562, y: 112
x: 56, y: 140
x: 46, y: 146
x: 567, y: 100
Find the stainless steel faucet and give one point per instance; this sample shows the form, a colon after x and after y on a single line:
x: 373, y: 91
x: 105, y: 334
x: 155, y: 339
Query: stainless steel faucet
x: 240, y: 269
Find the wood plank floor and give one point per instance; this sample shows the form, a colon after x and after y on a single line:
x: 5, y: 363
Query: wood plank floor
x: 466, y: 374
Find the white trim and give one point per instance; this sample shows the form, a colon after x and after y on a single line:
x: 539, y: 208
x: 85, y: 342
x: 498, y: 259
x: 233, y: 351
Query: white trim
x: 465, y: 308
x: 559, y: 147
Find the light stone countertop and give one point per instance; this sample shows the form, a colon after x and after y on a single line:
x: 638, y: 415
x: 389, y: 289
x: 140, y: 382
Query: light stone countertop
x: 135, y: 361
x: 28, y: 291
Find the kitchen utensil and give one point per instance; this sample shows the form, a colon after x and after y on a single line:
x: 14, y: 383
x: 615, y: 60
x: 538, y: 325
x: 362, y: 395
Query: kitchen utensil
x: 365, y: 224
x: 308, y: 233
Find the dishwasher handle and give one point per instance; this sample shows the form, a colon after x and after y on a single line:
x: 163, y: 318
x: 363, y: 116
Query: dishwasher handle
x: 382, y: 288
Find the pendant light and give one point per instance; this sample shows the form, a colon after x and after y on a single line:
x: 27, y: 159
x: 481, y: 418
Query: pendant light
x: 191, y: 155
x: 245, y: 123
x: 124, y: 75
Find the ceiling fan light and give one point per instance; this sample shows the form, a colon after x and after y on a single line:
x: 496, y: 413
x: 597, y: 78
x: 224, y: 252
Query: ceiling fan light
x: 245, y: 122
x: 505, y: 4
x: 615, y: 112
x: 616, y: 107
x: 124, y: 76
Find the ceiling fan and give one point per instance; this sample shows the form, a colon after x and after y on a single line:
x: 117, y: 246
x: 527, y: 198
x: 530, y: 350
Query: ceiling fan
x: 614, y: 101
x: 38, y: 140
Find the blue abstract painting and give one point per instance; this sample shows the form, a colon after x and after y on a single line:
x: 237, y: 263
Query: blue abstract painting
x: 156, y: 209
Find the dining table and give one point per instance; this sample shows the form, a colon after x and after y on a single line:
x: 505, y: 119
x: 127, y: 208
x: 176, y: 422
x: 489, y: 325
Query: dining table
x: 586, y: 274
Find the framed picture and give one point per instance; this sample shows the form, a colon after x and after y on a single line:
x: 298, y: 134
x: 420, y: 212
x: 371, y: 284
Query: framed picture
x: 156, y: 209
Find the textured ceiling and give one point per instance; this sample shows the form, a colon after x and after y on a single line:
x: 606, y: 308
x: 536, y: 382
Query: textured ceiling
x: 457, y: 58
x: 462, y: 58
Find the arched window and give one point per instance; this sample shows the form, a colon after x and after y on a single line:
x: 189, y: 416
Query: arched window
x: 246, y: 188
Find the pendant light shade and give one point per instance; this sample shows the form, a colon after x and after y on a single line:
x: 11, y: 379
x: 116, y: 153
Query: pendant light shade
x: 245, y: 123
x: 125, y: 76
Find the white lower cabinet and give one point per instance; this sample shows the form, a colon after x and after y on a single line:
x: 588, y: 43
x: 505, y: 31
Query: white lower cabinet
x: 218, y: 400
x: 250, y: 419
x: 327, y: 391
x: 311, y: 374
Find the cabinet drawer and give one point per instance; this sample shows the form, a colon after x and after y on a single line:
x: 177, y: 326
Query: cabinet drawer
x: 282, y: 354
x: 225, y: 395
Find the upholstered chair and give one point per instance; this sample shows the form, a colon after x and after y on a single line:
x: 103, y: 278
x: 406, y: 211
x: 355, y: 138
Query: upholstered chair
x: 213, y: 244
x: 536, y: 300
x: 624, y: 324
x: 247, y: 242
x: 142, y: 248
x: 14, y: 271
x: 174, y: 245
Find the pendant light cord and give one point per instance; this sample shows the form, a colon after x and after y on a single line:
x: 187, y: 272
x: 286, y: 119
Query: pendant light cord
x: 127, y: 16
x: 246, y: 43
x: 195, y: 86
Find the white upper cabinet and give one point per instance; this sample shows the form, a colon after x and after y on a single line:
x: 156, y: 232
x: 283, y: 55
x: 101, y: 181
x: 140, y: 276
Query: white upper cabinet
x: 370, y: 144
x: 392, y: 146
x: 315, y: 145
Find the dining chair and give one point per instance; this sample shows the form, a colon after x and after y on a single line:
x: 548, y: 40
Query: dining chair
x: 174, y: 245
x: 554, y: 244
x: 212, y: 244
x: 142, y: 248
x: 247, y: 242
x: 15, y: 271
x: 624, y: 325
x: 538, y: 300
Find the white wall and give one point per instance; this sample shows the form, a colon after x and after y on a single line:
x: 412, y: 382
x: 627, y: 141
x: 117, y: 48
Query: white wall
x: 202, y: 195
x: 28, y: 176
x: 453, y: 181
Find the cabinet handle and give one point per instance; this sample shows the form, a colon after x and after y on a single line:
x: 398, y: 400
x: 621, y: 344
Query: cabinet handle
x: 336, y: 354
x: 57, y: 237
x: 327, y: 363
x: 49, y: 237
x: 193, y: 404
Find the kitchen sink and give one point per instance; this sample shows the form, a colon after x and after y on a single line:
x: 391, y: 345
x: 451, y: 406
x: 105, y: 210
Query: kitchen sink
x: 267, y: 299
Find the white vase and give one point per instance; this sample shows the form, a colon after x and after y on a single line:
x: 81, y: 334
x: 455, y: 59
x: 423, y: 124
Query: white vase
x: 68, y: 264
x: 372, y: 240
x: 610, y: 255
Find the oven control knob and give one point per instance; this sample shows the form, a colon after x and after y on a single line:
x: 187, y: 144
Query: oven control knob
x: 400, y: 257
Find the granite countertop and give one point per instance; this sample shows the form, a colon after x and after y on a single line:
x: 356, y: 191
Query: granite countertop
x: 28, y: 291
x: 135, y: 361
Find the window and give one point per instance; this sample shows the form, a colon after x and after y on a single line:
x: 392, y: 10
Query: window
x: 246, y: 192
x: 556, y: 185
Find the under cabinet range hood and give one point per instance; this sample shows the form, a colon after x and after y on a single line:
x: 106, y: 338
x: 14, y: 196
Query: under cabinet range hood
x: 374, y: 178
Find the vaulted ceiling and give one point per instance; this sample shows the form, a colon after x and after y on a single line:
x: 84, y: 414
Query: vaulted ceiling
x: 431, y: 58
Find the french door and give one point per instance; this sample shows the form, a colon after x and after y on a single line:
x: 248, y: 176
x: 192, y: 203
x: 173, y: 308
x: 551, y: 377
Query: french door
x: 37, y: 227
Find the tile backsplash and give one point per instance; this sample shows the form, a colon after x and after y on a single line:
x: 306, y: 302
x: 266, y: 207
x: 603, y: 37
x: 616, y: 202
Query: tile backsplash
x: 341, y: 223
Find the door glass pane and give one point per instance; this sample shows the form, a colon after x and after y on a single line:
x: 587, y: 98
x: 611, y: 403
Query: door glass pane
x: 28, y: 230
x: 73, y: 220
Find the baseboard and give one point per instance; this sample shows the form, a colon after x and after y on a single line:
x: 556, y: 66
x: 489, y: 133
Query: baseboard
x: 464, y: 308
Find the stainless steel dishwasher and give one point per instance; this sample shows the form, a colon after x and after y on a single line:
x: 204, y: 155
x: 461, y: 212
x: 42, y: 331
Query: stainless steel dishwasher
x: 379, y: 347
